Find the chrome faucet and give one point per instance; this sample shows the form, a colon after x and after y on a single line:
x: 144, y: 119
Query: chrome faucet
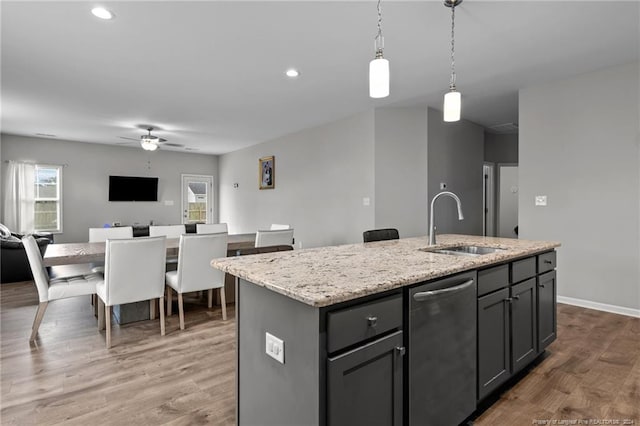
x: 432, y: 225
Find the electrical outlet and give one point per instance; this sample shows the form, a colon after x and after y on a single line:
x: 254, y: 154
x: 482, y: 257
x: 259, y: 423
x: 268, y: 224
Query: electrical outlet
x: 168, y: 202
x: 274, y: 347
x: 541, y: 200
x: 366, y: 201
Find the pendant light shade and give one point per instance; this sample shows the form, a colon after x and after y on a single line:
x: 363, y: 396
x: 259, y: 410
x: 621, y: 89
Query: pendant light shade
x: 379, y: 78
x: 452, y: 103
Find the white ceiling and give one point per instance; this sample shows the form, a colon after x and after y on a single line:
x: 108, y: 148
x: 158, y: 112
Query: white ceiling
x: 211, y: 74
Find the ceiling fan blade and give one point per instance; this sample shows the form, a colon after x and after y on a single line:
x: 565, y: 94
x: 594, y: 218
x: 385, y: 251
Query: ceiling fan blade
x: 131, y: 139
x: 175, y: 145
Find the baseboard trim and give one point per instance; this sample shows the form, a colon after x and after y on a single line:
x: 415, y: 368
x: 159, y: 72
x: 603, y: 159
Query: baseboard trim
x: 600, y: 306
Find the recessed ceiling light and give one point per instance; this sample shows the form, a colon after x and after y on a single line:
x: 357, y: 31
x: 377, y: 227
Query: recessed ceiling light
x: 102, y: 13
x: 292, y: 72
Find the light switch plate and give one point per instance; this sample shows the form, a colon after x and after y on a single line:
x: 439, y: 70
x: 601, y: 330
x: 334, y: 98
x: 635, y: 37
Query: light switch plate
x: 168, y: 202
x: 366, y: 201
x: 541, y: 200
x: 274, y: 347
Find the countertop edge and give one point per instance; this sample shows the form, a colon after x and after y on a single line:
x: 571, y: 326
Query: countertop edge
x: 457, y: 265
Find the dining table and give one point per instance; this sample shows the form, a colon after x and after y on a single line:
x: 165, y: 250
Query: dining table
x: 66, y: 254
x: 81, y: 253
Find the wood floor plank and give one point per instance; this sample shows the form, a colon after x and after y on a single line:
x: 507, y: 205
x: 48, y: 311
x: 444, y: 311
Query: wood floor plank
x: 67, y: 376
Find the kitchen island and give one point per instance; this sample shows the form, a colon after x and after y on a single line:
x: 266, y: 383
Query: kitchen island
x: 347, y: 338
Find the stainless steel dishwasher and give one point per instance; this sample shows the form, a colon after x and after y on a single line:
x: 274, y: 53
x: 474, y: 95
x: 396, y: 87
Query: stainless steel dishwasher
x: 442, y: 351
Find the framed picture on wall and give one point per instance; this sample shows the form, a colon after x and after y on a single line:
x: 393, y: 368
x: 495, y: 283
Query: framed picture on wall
x: 266, y: 172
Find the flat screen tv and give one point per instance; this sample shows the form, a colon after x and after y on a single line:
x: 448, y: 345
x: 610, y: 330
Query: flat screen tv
x: 132, y: 188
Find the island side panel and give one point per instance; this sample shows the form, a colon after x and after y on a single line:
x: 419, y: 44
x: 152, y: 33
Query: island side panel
x: 271, y: 393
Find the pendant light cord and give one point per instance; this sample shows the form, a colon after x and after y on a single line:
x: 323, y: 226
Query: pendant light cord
x: 452, y: 82
x: 379, y: 40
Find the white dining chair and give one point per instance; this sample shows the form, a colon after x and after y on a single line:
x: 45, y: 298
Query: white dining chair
x: 100, y: 235
x: 169, y: 231
x: 54, y: 289
x: 278, y: 226
x: 195, y: 272
x: 211, y: 228
x: 274, y: 238
x: 133, y: 272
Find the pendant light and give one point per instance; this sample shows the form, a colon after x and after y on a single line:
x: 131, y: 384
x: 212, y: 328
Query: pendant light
x: 452, y: 99
x: 379, y: 67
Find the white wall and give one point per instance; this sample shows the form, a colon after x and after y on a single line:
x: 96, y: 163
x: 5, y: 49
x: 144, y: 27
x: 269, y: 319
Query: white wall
x: 321, y: 176
x: 456, y: 152
x: 579, y: 143
x: 401, y: 170
x: 86, y: 180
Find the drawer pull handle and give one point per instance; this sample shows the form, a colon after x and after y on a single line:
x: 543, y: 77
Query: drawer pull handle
x: 400, y: 350
x: 509, y: 299
x: 541, y: 285
x: 372, y: 321
x: 516, y: 297
x: 548, y: 262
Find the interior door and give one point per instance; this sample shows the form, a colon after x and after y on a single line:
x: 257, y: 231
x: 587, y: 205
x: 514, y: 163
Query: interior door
x: 197, y: 199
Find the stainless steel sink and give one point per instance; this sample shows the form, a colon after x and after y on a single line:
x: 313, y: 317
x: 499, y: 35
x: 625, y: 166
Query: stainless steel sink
x: 464, y: 250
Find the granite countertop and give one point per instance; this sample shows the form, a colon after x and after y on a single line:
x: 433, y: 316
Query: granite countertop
x: 328, y: 275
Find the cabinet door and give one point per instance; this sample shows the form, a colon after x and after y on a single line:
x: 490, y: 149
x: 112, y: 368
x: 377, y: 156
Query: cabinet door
x: 365, y: 384
x: 493, y: 341
x: 546, y: 309
x: 523, y: 324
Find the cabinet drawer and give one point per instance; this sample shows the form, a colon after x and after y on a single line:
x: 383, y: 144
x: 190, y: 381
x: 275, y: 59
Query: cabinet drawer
x: 523, y: 269
x: 546, y: 262
x: 493, y: 279
x: 352, y: 325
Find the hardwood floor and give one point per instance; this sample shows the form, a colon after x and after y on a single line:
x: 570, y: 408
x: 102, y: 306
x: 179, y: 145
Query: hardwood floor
x: 592, y: 371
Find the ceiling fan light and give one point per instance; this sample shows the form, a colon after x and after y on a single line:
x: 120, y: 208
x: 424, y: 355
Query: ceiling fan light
x: 452, y: 104
x: 148, y: 145
x: 379, y: 78
x: 102, y: 13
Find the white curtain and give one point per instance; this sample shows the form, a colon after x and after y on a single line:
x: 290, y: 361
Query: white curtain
x: 19, y: 197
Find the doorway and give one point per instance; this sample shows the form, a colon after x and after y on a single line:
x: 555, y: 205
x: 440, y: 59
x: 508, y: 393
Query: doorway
x: 489, y: 201
x: 197, y: 199
x: 507, y: 221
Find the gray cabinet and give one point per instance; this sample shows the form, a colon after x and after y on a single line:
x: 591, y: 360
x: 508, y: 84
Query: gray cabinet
x: 364, y: 385
x: 365, y: 363
x: 494, y: 330
x: 546, y: 293
x: 523, y: 324
x: 516, y: 317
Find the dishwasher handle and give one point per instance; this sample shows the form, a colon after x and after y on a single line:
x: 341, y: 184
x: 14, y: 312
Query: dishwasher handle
x: 426, y: 295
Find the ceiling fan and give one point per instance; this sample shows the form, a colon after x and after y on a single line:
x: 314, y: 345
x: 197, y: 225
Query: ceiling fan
x: 150, y: 142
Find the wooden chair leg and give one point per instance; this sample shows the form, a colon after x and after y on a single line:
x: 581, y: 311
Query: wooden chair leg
x: 181, y: 311
x: 210, y: 296
x: 101, y: 311
x: 37, y: 320
x: 94, y: 302
x: 169, y: 301
x: 107, y: 317
x: 223, y: 302
x: 161, y: 316
x: 152, y: 309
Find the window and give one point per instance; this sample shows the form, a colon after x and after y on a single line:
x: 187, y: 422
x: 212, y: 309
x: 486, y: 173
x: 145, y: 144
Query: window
x: 48, y: 208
